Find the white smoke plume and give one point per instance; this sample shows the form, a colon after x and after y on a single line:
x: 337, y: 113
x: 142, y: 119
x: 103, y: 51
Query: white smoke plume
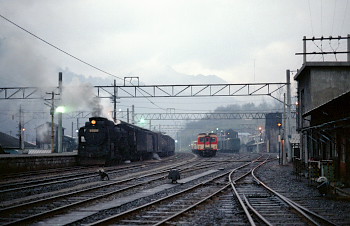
x: 78, y: 96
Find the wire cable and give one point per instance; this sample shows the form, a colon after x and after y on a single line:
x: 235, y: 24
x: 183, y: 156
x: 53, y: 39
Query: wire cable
x: 335, y: 6
x: 312, y: 28
x: 148, y: 98
x: 59, y: 49
x: 345, y: 14
x: 321, y: 17
x: 80, y: 60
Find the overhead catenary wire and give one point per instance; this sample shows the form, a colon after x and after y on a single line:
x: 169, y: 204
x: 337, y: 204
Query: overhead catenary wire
x: 65, y: 52
x: 59, y: 49
x: 335, y: 6
x: 345, y: 14
x: 321, y: 16
x: 312, y: 28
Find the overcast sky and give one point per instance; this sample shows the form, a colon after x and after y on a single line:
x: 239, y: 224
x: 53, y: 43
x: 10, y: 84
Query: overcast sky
x: 238, y: 41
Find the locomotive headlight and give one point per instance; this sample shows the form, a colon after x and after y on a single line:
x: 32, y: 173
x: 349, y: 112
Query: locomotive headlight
x: 93, y: 122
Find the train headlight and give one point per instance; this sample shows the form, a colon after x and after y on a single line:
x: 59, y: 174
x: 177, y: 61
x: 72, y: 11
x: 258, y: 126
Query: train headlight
x: 93, y: 122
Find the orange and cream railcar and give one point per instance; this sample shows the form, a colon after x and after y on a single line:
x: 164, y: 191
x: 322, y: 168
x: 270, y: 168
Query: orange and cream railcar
x: 207, y: 144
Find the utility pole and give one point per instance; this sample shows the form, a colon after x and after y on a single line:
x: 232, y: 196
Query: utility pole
x: 115, y: 103
x: 304, y: 49
x: 284, y: 157
x: 60, y: 132
x: 132, y: 114
x: 52, y: 113
x: 348, y: 48
x: 288, y: 129
x: 21, y: 137
x: 127, y: 115
x: 77, y: 124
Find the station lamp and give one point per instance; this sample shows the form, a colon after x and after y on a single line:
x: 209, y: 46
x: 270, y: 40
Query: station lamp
x: 61, y: 109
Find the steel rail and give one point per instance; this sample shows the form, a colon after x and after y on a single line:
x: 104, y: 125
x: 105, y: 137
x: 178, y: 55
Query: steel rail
x: 256, y: 212
x: 208, y: 197
x: 247, y: 204
x: 58, y: 209
x: 113, y: 218
x: 300, y: 209
x: 53, y: 179
x: 232, y: 183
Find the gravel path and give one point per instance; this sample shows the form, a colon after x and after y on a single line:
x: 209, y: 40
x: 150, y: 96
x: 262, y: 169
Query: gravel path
x: 282, y: 179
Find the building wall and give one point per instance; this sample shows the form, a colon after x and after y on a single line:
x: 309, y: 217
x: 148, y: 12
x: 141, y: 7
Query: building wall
x: 324, y: 116
x: 325, y: 84
x: 272, y: 130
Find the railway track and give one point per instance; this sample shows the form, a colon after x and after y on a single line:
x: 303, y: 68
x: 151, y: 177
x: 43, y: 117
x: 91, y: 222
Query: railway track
x: 21, y: 180
x: 27, y: 212
x: 263, y: 205
x: 149, y: 198
x: 63, y: 179
x: 168, y: 209
x: 51, y: 180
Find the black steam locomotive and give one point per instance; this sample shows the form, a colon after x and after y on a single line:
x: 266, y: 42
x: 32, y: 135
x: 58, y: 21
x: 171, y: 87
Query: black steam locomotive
x: 229, y: 141
x: 103, y: 142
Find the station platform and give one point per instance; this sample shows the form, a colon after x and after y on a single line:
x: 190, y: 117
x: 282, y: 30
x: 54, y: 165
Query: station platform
x: 35, y: 160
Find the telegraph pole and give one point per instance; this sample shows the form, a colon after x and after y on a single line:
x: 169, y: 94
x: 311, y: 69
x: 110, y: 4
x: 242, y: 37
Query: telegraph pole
x: 115, y: 103
x: 288, y: 130
x: 21, y: 137
x: 348, y: 48
x: 132, y: 114
x: 60, y: 132
x: 127, y: 115
x: 284, y: 137
x: 52, y: 113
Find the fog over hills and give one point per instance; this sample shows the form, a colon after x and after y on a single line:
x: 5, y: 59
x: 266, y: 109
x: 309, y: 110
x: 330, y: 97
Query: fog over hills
x: 79, y: 96
x: 164, y: 76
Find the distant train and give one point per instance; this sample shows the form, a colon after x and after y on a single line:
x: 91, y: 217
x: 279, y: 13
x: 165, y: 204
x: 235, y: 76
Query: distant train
x: 206, y: 145
x: 102, y: 142
x: 229, y: 141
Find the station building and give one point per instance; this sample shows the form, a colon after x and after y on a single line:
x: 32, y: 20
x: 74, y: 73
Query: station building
x: 323, y: 119
x: 44, y: 138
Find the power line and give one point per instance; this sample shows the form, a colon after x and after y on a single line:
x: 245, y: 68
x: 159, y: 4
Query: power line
x: 345, y: 14
x: 65, y: 52
x: 335, y: 5
x: 312, y: 28
x: 59, y: 49
x: 321, y: 16
x: 148, y: 98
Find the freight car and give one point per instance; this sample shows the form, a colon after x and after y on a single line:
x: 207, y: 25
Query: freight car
x: 102, y: 142
x: 207, y: 145
x: 229, y: 141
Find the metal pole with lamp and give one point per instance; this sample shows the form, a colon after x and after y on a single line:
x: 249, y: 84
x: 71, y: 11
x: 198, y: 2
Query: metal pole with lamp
x: 279, y: 142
